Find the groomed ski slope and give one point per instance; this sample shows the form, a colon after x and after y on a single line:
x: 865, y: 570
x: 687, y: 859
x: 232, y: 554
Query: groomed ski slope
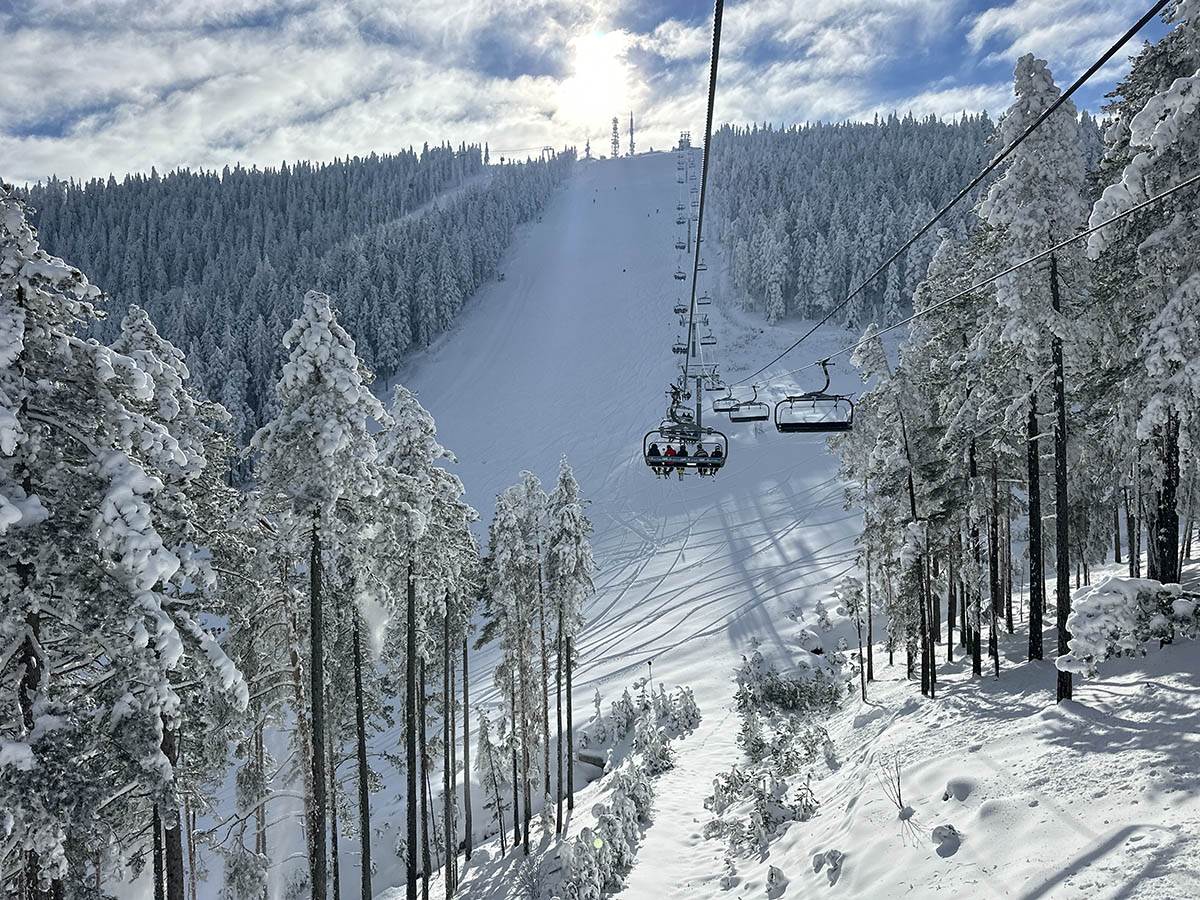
x: 570, y: 354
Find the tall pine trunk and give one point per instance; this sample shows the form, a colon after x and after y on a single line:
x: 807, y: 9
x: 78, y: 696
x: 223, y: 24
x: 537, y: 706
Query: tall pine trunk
x: 159, y: 873
x: 951, y: 595
x: 570, y: 733
x: 558, y: 713
x: 364, y: 787
x: 447, y: 746
x: 976, y: 589
x: 466, y: 749
x: 1061, y: 509
x: 335, y: 851
x: 1163, y: 541
x: 1116, y: 530
x: 172, y: 826
x: 320, y: 871
x: 545, y: 679
x: 994, y: 571
x: 423, y: 774
x: 410, y: 736
x: 303, y: 732
x: 870, y: 624
x: 1033, y: 474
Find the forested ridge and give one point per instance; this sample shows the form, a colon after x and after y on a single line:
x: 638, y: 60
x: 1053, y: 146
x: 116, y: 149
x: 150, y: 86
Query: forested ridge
x: 220, y: 260
x: 806, y: 213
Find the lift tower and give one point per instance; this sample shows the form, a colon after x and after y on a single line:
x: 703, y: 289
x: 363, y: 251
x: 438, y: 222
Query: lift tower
x: 616, y: 138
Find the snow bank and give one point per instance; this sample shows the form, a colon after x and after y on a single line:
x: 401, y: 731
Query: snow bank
x: 1117, y: 616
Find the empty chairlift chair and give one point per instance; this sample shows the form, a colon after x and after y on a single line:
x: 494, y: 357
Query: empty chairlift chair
x: 704, y: 300
x: 815, y: 412
x: 752, y: 410
x: 708, y: 340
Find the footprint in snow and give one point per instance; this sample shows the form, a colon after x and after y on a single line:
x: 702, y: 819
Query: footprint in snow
x: 948, y: 840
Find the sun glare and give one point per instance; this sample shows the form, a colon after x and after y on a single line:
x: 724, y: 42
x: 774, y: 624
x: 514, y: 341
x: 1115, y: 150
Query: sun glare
x: 598, y: 86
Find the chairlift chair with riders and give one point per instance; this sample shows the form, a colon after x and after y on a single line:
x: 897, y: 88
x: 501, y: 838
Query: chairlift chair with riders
x: 815, y: 412
x: 680, y: 220
x: 680, y: 275
x: 704, y: 300
x: 680, y: 308
x: 752, y: 410
x: 680, y: 245
x: 680, y: 346
x: 714, y: 444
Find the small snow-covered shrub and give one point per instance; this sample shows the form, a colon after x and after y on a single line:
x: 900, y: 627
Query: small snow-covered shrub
x: 1116, y: 616
x: 624, y: 714
x: 759, y: 684
x: 598, y: 859
x: 751, y: 809
x: 684, y: 714
x: 650, y: 741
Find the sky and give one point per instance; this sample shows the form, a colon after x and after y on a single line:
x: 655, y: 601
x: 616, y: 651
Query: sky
x: 90, y: 88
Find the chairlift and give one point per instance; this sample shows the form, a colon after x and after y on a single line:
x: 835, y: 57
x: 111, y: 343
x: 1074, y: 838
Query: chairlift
x: 724, y: 404
x: 679, y: 206
x: 680, y: 245
x: 680, y: 308
x: 680, y: 220
x: 701, y: 266
x: 752, y: 410
x: 695, y: 204
x: 704, y: 300
x: 708, y: 340
x: 680, y: 275
x: 815, y: 412
x: 706, y: 450
x: 680, y: 347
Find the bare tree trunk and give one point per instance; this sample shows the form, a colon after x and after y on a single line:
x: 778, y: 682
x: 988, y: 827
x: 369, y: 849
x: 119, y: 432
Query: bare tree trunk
x: 423, y: 773
x: 1008, y: 563
x: 1061, y: 508
x: 951, y: 595
x: 410, y: 736
x: 364, y: 772
x: 870, y: 623
x: 156, y: 825
x: 545, y: 679
x: 570, y: 732
x: 303, y: 732
x: 976, y: 589
x: 994, y: 571
x: 466, y: 746
x: 558, y: 718
x: 1036, y: 585
x: 447, y: 746
x: 1116, y: 531
x: 172, y: 827
x: 316, y: 636
x: 335, y: 854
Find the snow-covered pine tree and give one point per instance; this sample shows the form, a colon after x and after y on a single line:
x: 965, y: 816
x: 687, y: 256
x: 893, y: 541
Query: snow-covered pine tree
x: 80, y: 443
x: 1151, y: 275
x: 1037, y: 202
x: 569, y: 567
x: 317, y: 456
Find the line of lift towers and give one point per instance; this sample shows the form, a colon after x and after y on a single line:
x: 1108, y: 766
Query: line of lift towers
x: 682, y: 443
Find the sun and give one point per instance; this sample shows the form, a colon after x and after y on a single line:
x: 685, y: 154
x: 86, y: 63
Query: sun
x: 598, y: 86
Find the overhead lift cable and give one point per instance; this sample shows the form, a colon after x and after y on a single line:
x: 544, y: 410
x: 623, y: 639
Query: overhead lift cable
x: 975, y: 182
x: 1038, y: 257
x: 718, y: 11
